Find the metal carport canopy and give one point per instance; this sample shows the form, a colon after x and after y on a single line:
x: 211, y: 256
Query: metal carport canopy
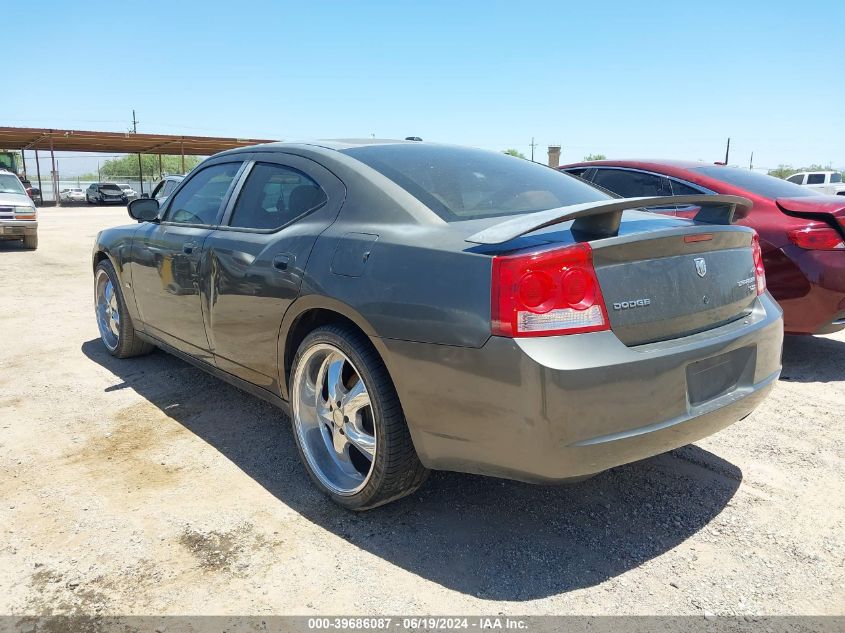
x: 123, y: 142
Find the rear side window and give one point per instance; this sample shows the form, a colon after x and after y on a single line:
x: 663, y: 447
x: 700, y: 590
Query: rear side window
x: 681, y: 189
x: 459, y: 183
x: 837, y: 177
x: 198, y: 202
x: 274, y: 195
x: 798, y: 179
x: 815, y: 179
x: 632, y: 184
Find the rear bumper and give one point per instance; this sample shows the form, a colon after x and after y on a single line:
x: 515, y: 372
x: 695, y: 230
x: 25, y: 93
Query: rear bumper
x: 811, y: 290
x: 546, y: 410
x: 16, y: 229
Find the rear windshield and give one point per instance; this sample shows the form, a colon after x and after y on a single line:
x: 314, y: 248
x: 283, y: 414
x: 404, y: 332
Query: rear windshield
x: 9, y: 183
x: 762, y: 185
x: 460, y: 183
x: 111, y: 187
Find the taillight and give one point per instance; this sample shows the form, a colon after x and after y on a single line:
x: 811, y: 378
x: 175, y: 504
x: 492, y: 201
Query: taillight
x: 547, y: 293
x: 759, y: 271
x: 817, y: 238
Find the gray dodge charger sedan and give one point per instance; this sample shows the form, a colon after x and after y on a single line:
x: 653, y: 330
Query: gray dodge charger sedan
x: 415, y: 306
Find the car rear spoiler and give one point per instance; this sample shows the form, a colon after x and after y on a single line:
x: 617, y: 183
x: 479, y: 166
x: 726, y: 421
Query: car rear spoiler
x: 602, y: 217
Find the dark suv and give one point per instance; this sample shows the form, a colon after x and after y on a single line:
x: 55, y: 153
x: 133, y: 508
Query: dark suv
x: 105, y: 193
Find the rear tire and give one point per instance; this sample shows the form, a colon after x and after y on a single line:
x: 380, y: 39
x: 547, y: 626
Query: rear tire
x: 116, y: 329
x: 343, y: 401
x: 30, y: 241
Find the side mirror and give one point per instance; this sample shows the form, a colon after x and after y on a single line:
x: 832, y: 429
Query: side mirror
x: 144, y: 209
x: 145, y: 195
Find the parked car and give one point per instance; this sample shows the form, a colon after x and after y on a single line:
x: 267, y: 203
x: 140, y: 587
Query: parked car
x: 131, y: 194
x: 164, y: 188
x: 72, y: 195
x: 105, y: 193
x: 18, y: 215
x: 420, y: 306
x: 829, y: 182
x: 32, y: 192
x: 802, y: 233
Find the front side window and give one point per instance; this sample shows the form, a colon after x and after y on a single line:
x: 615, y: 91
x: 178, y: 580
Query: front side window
x: 815, y: 179
x: 836, y: 177
x: 274, y: 195
x: 459, y: 183
x: 199, y: 201
x: 632, y: 184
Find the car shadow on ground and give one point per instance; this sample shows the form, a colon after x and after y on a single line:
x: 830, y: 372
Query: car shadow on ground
x: 489, y: 538
x: 813, y: 359
x: 11, y: 246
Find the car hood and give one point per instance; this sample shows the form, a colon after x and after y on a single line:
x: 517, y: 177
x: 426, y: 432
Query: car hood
x: 14, y: 199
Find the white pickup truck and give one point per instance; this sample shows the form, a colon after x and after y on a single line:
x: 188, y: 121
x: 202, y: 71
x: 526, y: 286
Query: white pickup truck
x: 829, y: 182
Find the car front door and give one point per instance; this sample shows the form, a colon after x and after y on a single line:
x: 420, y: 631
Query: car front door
x: 257, y: 257
x: 168, y: 264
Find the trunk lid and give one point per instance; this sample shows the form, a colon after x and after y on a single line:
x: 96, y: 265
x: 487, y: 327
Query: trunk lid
x: 829, y: 209
x: 669, y: 285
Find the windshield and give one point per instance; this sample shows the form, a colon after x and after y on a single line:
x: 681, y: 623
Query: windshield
x: 11, y: 184
x: 460, y: 183
x: 760, y: 184
x: 110, y: 187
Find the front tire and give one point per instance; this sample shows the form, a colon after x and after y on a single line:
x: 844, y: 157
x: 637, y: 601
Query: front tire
x: 348, y: 423
x: 116, y: 329
x: 30, y: 241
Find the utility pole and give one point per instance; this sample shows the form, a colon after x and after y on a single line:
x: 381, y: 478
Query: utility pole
x: 533, y: 145
x: 751, y: 161
x: 728, y: 150
x: 140, y: 170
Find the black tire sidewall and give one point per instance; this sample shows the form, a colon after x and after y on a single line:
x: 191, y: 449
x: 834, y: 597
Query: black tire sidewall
x: 125, y: 322
x: 349, y: 342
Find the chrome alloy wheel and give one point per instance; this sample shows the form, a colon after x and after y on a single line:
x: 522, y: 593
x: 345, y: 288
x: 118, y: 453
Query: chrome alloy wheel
x: 108, y: 311
x: 333, y: 418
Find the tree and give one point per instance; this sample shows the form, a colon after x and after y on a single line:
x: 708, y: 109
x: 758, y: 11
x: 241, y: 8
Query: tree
x: 595, y: 157
x: 127, y: 166
x: 513, y: 152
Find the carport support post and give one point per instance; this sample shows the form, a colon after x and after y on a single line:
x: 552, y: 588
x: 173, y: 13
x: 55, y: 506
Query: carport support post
x: 182, y: 145
x: 38, y: 171
x: 23, y: 164
x: 160, y: 170
x: 55, y: 176
x: 141, y: 174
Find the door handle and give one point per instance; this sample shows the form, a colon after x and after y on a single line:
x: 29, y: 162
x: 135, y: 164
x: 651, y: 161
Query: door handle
x: 280, y: 262
x: 188, y: 247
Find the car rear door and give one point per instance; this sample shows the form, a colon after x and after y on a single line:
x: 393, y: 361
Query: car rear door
x: 632, y: 183
x: 169, y: 271
x: 257, y: 257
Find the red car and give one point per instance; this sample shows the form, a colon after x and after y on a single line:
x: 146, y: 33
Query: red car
x: 801, y: 231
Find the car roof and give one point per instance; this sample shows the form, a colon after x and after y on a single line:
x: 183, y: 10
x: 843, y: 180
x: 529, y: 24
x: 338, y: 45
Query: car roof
x: 330, y: 144
x: 642, y: 163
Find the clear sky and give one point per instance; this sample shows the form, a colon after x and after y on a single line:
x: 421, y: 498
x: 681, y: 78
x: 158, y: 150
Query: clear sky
x: 624, y: 78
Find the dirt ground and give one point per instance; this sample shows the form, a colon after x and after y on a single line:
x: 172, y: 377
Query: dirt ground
x: 147, y: 487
